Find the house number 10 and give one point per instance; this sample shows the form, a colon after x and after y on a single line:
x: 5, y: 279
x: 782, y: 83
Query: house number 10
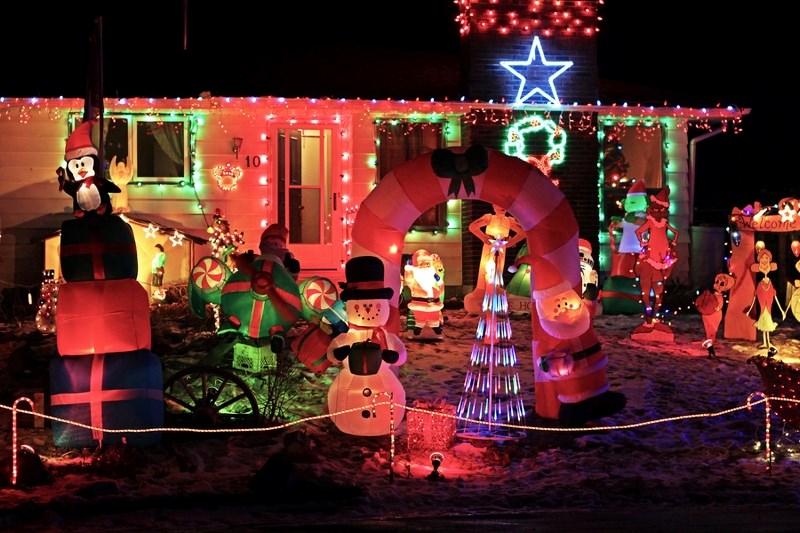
x: 255, y: 163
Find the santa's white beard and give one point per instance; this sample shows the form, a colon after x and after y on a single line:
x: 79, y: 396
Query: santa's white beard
x: 425, y: 278
x: 567, y: 325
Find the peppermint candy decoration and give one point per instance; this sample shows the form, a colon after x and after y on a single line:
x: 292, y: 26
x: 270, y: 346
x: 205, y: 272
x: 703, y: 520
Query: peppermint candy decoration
x: 209, y: 274
x: 320, y: 293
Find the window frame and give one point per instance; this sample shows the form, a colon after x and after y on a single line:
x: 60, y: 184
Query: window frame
x: 134, y: 119
x: 433, y: 219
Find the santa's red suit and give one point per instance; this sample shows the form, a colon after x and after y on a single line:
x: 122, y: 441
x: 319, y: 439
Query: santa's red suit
x: 426, y: 286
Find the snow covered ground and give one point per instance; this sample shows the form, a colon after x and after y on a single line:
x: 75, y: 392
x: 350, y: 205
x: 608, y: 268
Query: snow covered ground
x: 686, y: 453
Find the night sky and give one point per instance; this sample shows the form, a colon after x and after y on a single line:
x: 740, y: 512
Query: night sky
x: 700, y: 54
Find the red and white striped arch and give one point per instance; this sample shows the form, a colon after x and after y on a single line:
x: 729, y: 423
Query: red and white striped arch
x: 386, y: 214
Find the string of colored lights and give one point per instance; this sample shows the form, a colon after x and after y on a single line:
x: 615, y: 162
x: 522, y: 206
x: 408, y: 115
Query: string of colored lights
x: 749, y: 405
x: 567, y: 17
x: 578, y: 116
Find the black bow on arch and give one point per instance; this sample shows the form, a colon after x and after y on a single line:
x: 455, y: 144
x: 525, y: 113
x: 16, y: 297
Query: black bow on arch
x: 460, y: 167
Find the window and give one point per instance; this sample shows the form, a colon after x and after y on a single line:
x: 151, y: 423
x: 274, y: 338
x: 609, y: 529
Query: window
x: 632, y: 153
x: 403, y: 141
x: 157, y: 148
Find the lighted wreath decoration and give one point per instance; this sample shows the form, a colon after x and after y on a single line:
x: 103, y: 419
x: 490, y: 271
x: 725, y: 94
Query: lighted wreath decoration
x: 227, y: 176
x: 556, y: 141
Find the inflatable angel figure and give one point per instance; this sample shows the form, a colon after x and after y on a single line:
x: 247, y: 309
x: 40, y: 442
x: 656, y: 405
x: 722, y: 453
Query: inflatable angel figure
x: 121, y: 173
x: 765, y: 294
x: 426, y: 285
x: 709, y: 304
x: 368, y: 355
x: 497, y: 226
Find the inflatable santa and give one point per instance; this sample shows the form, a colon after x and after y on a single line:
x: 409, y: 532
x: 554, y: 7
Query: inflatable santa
x: 426, y: 285
x: 571, y: 373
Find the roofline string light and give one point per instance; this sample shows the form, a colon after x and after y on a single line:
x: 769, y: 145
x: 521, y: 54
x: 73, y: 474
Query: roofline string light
x: 580, y: 116
x: 548, y: 17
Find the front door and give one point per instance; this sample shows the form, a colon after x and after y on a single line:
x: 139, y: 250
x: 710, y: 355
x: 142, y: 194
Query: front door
x: 308, y: 197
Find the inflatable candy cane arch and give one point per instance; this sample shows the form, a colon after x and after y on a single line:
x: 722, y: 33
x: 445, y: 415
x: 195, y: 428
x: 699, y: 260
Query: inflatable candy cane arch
x: 570, y: 376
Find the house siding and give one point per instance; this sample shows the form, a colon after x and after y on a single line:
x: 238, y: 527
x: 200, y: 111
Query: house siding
x: 33, y: 133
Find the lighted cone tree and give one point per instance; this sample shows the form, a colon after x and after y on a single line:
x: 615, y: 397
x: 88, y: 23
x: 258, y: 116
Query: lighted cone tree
x: 492, y: 393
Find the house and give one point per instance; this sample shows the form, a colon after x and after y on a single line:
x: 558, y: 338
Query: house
x: 309, y: 163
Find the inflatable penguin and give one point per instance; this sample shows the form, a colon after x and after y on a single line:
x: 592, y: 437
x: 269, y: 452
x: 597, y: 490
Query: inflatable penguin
x: 83, y: 178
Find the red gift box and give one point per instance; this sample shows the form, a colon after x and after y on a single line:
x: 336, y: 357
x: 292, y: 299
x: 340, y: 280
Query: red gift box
x: 311, y: 348
x: 98, y: 248
x: 107, y: 391
x: 102, y: 317
x: 431, y: 430
x: 254, y: 315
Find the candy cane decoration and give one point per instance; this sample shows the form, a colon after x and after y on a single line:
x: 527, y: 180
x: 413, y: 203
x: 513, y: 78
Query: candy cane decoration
x: 391, y: 428
x: 551, y: 229
x: 406, y: 192
x: 767, y: 423
x: 14, y: 465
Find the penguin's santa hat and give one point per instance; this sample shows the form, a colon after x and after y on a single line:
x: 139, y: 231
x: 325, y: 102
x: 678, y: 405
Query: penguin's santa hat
x: 79, y: 143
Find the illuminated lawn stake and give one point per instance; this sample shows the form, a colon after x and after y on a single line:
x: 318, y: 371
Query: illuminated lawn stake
x: 14, y: 452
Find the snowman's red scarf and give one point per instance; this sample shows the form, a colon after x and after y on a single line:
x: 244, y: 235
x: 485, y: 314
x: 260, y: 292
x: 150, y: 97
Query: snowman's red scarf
x: 378, y: 334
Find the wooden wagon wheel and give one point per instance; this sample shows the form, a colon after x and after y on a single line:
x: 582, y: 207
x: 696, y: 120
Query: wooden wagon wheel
x: 206, y: 396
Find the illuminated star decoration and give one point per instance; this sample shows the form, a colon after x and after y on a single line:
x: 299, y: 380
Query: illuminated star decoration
x: 150, y: 231
x: 177, y: 238
x: 787, y: 213
x: 533, y: 72
x: 498, y: 244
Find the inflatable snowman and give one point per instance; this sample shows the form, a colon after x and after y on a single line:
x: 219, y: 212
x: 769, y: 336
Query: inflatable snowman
x: 368, y: 355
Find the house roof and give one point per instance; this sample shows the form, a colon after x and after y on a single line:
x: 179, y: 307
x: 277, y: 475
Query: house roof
x: 161, y: 224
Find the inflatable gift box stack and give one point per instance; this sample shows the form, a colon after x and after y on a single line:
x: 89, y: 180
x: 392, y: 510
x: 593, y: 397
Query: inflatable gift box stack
x: 106, y: 376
